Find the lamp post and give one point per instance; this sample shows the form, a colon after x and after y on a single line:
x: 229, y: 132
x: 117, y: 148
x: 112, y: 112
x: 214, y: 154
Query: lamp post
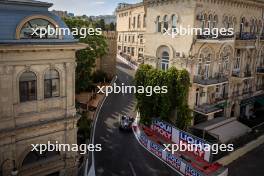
x: 14, y: 171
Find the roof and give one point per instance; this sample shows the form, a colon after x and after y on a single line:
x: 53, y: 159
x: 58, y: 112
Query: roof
x: 12, y: 13
x: 225, y: 129
x: 27, y: 2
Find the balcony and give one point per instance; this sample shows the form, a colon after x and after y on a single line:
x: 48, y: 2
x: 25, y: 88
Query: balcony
x: 246, y: 36
x: 247, y: 91
x: 235, y: 94
x: 260, y: 87
x: 236, y: 73
x: 213, y: 37
x: 247, y: 74
x: 260, y: 70
x: 200, y: 79
x: 212, y: 106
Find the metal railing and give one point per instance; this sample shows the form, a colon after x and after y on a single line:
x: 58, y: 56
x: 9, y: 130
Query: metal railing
x: 200, y: 79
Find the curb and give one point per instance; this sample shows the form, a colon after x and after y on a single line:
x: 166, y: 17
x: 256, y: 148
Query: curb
x: 136, y: 136
x: 98, y: 109
x: 127, y: 62
x: 241, y: 151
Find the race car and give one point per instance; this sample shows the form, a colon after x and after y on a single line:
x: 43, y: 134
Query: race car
x: 125, y: 123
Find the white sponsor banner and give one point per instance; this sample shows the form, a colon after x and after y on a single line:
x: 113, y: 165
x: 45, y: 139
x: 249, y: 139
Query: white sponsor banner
x: 176, y: 135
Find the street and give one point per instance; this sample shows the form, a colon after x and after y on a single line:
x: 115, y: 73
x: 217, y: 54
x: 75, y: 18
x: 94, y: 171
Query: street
x: 249, y: 164
x: 121, y: 153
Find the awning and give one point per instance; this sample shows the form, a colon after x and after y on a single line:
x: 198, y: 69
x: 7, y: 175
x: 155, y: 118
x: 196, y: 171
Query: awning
x: 261, y: 101
x: 224, y: 129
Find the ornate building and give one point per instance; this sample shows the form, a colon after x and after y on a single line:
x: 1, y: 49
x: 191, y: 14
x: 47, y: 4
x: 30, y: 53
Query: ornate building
x: 226, y: 71
x: 37, y: 91
x: 131, y: 26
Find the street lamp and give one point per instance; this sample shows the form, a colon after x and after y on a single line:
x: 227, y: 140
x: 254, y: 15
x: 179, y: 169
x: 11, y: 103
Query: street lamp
x: 14, y: 171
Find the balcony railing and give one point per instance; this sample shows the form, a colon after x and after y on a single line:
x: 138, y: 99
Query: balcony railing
x: 247, y: 73
x: 260, y: 69
x: 247, y: 90
x: 260, y: 87
x: 214, y: 37
x: 212, y: 105
x: 235, y: 94
x: 246, y: 36
x: 200, y: 79
x: 235, y: 73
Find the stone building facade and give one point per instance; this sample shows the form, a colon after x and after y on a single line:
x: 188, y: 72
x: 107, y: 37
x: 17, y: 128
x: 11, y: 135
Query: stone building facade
x: 37, y: 91
x: 226, y: 71
x: 131, y: 26
x: 107, y: 63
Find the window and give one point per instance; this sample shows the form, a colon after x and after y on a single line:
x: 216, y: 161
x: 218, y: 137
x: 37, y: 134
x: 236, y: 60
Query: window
x: 144, y: 21
x: 134, y: 22
x: 28, y: 87
x: 41, y: 24
x: 129, y: 22
x: 173, y: 21
x: 165, y: 23
x: 158, y: 24
x: 242, y: 23
x: 51, y: 84
x: 132, y: 51
x: 237, y: 61
x: 165, y: 61
x: 138, y: 22
x: 215, y: 21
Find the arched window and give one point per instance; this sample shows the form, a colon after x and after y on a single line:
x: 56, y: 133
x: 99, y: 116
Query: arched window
x: 51, y: 84
x: 138, y: 22
x: 28, y: 87
x: 224, y: 60
x: 225, y: 22
x: 252, y: 26
x: 165, y: 60
x: 173, y: 21
x: 129, y: 22
x: 242, y: 24
x: 215, y: 21
x: 33, y: 28
x: 203, y: 21
x: 210, y: 21
x: 134, y: 22
x: 165, y: 23
x: 144, y: 20
x: 158, y: 24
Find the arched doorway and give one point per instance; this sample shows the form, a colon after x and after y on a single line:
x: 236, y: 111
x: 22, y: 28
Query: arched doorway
x: 36, y: 161
x: 165, y: 60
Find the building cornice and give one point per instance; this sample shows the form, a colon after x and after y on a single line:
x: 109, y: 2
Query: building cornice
x: 19, y: 48
x: 242, y: 3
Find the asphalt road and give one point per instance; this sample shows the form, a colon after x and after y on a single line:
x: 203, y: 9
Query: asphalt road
x: 250, y: 164
x: 121, y: 153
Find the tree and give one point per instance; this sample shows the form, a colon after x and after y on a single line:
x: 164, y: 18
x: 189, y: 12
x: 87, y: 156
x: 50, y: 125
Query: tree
x: 162, y: 105
x: 86, y: 58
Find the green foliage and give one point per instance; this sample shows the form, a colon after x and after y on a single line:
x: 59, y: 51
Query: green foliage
x: 99, y: 76
x: 162, y: 105
x: 84, y: 127
x: 97, y: 47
